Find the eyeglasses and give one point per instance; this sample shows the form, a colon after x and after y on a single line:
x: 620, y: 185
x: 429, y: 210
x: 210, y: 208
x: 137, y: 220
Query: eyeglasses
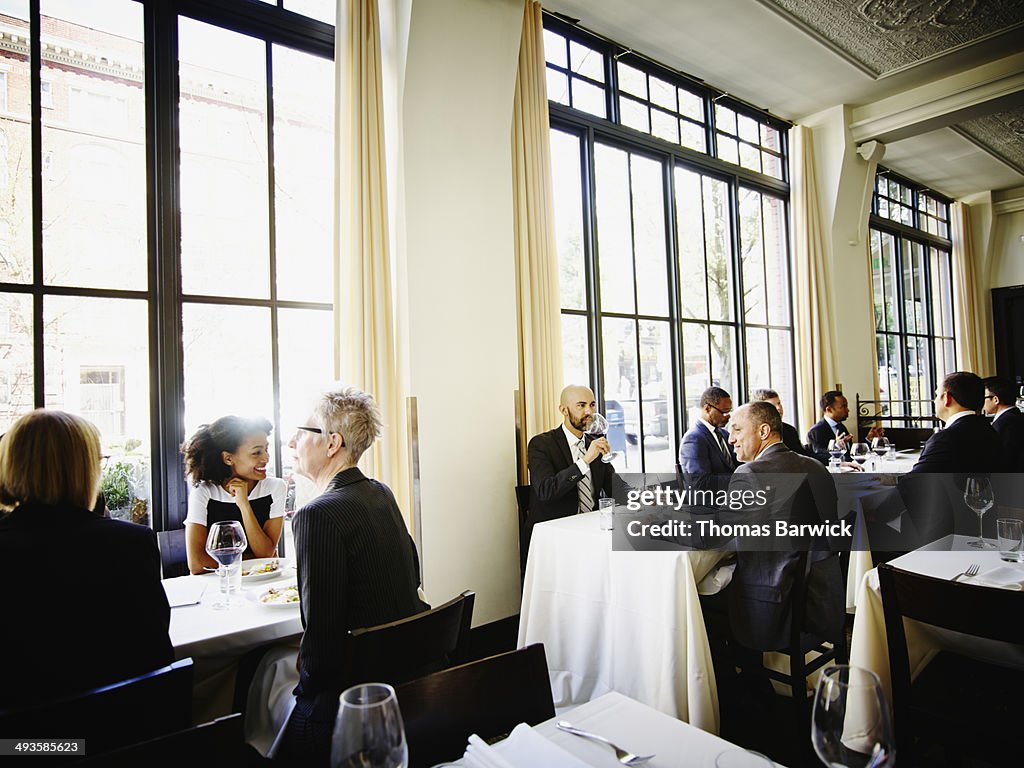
x: 315, y: 430
x: 724, y: 413
x: 990, y: 397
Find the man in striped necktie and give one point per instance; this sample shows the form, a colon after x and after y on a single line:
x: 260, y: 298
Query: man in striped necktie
x: 566, y: 474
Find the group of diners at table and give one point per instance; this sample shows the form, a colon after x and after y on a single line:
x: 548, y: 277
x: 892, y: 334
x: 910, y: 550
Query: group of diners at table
x: 81, y: 623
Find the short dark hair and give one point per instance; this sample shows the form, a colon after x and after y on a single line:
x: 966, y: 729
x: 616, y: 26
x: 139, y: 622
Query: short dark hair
x: 1002, y: 388
x: 202, y: 451
x: 713, y: 396
x: 764, y: 394
x: 966, y: 388
x: 765, y: 413
x: 829, y: 398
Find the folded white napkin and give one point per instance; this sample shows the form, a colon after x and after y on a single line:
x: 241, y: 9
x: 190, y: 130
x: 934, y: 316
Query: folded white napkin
x: 1003, y: 577
x: 185, y: 591
x: 524, y: 748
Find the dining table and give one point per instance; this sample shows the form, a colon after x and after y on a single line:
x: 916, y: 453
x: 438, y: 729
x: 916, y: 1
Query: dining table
x: 216, y: 639
x: 620, y: 621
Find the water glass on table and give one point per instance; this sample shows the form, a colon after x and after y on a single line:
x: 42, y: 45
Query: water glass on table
x: 606, y: 513
x: 851, y: 723
x: 368, y: 731
x: 225, y: 543
x: 1010, y: 534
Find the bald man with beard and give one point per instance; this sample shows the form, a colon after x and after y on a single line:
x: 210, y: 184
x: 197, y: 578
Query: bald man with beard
x: 566, y: 474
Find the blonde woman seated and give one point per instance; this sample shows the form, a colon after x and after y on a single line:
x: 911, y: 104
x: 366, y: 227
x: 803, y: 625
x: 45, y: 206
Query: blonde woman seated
x: 84, y: 606
x: 226, y: 463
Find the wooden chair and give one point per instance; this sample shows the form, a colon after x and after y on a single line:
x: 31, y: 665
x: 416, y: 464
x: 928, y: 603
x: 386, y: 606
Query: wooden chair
x: 969, y: 705
x: 489, y: 697
x: 412, y: 647
x: 112, y: 716
x: 173, y: 554
x: 218, y: 742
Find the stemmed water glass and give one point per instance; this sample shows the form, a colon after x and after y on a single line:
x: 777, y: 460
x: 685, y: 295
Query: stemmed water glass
x: 836, y: 449
x: 860, y: 452
x: 597, y: 427
x: 368, y: 732
x: 225, y: 543
x: 978, y: 496
x: 851, y: 725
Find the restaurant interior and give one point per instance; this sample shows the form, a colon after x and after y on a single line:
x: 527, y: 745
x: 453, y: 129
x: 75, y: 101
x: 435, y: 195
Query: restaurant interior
x: 463, y: 206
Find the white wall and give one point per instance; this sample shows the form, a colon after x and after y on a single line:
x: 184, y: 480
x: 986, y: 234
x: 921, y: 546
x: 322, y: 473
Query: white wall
x: 458, y: 310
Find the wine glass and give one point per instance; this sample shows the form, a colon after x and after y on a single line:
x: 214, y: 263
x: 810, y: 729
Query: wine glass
x: 880, y: 445
x: 369, y: 732
x: 597, y: 427
x: 225, y: 543
x: 836, y: 449
x: 851, y: 725
x: 978, y: 496
x: 860, y: 452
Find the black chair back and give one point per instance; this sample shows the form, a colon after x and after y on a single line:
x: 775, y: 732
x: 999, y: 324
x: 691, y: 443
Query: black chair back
x: 220, y: 741
x: 412, y: 647
x: 173, y: 554
x: 984, y: 612
x: 489, y: 697
x: 112, y: 716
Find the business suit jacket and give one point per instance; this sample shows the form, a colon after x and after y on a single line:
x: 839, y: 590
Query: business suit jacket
x: 800, y: 490
x: 554, y: 477
x: 702, y: 460
x: 932, y: 492
x: 88, y: 609
x: 1010, y: 429
x: 818, y: 438
x: 357, y: 567
x: 792, y: 440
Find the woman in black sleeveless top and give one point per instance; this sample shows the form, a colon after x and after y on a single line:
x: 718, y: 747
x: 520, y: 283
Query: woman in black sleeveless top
x: 226, y: 462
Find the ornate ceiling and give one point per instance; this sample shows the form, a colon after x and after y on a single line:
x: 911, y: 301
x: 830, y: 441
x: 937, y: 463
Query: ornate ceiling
x: 1002, y: 134
x: 886, y: 36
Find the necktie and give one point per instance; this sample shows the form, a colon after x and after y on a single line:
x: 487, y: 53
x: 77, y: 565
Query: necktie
x: 585, y: 487
x: 724, y: 446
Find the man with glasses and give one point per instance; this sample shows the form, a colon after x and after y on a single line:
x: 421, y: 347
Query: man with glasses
x: 1007, y: 420
x: 706, y: 459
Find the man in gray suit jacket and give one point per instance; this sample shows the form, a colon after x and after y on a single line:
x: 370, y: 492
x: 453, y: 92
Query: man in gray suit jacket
x: 799, y: 490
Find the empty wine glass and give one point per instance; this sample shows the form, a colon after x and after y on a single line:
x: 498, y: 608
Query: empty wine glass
x: 225, y: 543
x: 978, y: 496
x: 836, y: 449
x: 597, y: 427
x: 368, y: 732
x: 860, y: 452
x: 851, y: 725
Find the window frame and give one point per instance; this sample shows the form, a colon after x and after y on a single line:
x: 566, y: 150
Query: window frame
x: 163, y: 295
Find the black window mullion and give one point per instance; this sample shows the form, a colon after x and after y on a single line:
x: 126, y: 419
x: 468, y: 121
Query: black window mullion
x: 591, y: 261
x: 36, y: 110
x: 275, y: 371
x: 674, y: 295
x: 738, y: 295
x: 167, y: 416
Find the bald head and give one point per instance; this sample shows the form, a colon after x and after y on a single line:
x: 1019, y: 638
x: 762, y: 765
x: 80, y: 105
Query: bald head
x: 577, y: 404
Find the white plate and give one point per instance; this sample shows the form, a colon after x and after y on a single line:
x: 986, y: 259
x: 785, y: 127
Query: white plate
x: 258, y: 597
x: 250, y: 565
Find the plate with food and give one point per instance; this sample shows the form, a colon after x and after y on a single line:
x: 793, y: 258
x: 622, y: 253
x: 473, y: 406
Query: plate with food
x: 263, y: 568
x: 279, y: 597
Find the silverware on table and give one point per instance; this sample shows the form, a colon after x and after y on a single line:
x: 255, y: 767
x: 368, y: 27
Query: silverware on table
x: 623, y: 756
x: 972, y: 570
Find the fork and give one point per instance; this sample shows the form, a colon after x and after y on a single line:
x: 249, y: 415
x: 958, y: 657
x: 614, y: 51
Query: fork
x: 972, y: 570
x: 624, y: 757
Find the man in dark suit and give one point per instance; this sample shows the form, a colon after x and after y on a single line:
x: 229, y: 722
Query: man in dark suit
x: 799, y: 490
x: 790, y: 436
x: 1007, y: 421
x: 357, y: 564
x: 835, y: 409
x: 566, y: 474
x: 705, y: 458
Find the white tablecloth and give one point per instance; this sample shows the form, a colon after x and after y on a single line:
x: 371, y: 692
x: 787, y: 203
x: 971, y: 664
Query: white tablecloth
x: 619, y: 621
x: 217, y: 639
x: 942, y: 559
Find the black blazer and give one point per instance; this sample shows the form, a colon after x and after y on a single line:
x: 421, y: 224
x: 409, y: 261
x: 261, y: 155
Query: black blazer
x: 88, y: 608
x: 1010, y: 429
x: 554, y: 477
x: 759, y: 595
x: 792, y: 440
x: 819, y: 436
x: 969, y: 444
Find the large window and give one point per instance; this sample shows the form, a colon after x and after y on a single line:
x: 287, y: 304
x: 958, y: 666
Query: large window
x: 911, y: 275
x: 165, y: 222
x: 671, y: 221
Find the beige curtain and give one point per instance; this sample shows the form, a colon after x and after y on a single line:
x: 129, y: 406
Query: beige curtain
x: 814, y: 323
x: 363, y: 297
x: 540, y: 347
x: 972, y: 346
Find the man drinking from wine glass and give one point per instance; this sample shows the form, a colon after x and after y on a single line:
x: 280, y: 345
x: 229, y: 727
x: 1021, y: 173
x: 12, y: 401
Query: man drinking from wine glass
x: 566, y: 476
